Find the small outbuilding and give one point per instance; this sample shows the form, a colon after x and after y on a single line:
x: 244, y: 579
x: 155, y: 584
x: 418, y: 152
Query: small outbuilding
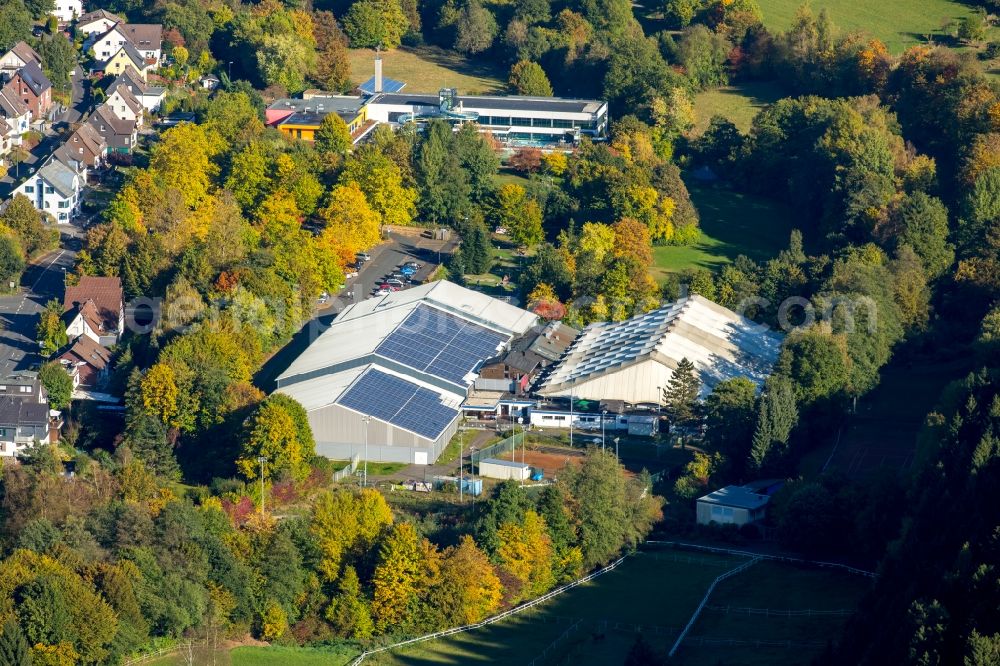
x: 494, y: 468
x: 732, y: 505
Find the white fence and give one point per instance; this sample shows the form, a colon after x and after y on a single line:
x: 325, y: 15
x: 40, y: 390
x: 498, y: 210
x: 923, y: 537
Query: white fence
x: 349, y: 469
x: 496, y: 618
x: 704, y: 600
x: 773, y: 612
x: 764, y: 556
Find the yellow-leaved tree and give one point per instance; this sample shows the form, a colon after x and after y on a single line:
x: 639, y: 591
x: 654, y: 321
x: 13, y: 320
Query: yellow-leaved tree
x: 346, y: 525
x: 350, y: 220
x: 397, y: 574
x: 526, y: 554
x: 159, y: 392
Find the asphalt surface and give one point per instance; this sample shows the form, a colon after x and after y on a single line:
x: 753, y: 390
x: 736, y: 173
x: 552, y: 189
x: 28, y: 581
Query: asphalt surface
x: 40, y: 283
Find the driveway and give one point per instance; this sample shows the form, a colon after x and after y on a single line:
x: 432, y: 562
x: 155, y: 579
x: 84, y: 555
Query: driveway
x: 42, y: 281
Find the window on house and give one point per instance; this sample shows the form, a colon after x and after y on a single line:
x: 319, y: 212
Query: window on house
x: 47, y: 204
x: 29, y: 189
x: 25, y: 389
x: 49, y: 189
x: 62, y: 216
x: 63, y: 204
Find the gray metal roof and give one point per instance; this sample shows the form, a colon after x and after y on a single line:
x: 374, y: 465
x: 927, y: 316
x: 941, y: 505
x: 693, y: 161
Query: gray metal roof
x: 736, y: 496
x: 59, y: 176
x: 503, y: 463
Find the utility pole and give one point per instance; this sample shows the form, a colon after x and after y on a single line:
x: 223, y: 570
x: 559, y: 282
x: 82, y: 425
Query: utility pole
x: 571, y: 419
x: 604, y: 415
x: 366, y: 419
x: 472, y: 473
x: 461, y: 467
x: 261, y: 460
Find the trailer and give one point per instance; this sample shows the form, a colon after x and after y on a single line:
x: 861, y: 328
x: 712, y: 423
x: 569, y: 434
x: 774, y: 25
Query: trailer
x: 494, y: 468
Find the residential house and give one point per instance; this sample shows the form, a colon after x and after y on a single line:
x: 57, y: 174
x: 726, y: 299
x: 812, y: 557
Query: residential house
x: 34, y: 89
x: 15, y: 112
x: 25, y: 417
x: 120, y: 135
x: 95, y: 308
x: 210, y: 82
x: 87, y: 362
x: 124, y: 58
x: 67, y: 10
x: 17, y: 57
x: 151, y: 97
x: 65, y: 155
x: 124, y: 104
x: 55, y: 189
x: 6, y: 139
x: 97, y: 22
x: 88, y: 146
x: 148, y: 38
x: 144, y: 37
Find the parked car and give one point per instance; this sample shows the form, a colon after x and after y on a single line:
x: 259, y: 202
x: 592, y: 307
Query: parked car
x: 382, y: 292
x: 390, y: 286
x: 408, y: 271
x: 392, y: 282
x: 397, y: 276
x: 363, y: 256
x: 352, y: 274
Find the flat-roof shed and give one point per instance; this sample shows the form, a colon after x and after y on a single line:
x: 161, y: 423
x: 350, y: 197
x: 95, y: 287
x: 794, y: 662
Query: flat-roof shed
x: 494, y: 468
x: 732, y: 505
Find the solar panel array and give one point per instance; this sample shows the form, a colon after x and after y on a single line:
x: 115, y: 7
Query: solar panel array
x: 397, y: 401
x: 441, y: 344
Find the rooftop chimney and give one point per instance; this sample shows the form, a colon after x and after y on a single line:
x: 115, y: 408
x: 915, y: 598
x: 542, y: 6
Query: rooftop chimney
x: 378, y: 72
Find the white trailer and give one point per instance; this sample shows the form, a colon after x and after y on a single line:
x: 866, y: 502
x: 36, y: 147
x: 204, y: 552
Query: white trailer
x: 493, y: 468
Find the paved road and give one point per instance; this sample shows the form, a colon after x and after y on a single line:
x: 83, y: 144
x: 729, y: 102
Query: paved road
x: 41, y: 282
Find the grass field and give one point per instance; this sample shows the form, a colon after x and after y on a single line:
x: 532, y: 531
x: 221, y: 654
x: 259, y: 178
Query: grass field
x: 898, y: 23
x: 739, y: 103
x: 428, y: 69
x: 657, y: 591
x: 731, y: 224
x: 288, y: 656
x: 779, y: 587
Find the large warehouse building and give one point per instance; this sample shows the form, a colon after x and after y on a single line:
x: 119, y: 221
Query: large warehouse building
x: 633, y: 360
x: 394, y: 371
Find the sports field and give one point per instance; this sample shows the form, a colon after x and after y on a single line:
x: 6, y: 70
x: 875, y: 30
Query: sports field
x: 428, y: 69
x: 731, y: 224
x: 898, y: 23
x: 654, y: 592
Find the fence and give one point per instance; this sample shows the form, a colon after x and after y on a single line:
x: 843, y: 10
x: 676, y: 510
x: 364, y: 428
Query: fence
x: 771, y: 612
x: 707, y: 641
x: 554, y: 644
x: 158, y: 653
x: 763, y: 556
x: 349, y: 469
x: 496, y: 618
x: 704, y: 600
x: 491, y: 451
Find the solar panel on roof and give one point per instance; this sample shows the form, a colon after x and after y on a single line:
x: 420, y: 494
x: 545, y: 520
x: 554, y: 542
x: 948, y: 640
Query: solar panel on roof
x: 440, y: 344
x: 388, y: 86
x: 399, y: 402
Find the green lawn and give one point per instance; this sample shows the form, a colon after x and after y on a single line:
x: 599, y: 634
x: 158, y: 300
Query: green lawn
x: 291, y: 656
x: 781, y: 587
x: 739, y: 103
x: 731, y: 224
x: 656, y: 590
x: 381, y: 468
x: 428, y: 69
x: 898, y: 23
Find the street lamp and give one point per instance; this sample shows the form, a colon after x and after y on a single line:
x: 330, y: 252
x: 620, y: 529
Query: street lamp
x: 571, y: 419
x: 522, y: 449
x: 366, y: 420
x: 616, y: 448
x: 230, y: 67
x: 472, y: 473
x: 604, y: 415
x: 261, y: 460
x: 461, y: 466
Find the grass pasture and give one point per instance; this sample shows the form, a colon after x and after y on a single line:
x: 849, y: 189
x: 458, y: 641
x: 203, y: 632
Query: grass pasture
x: 427, y: 69
x: 898, y: 23
x: 739, y: 103
x: 731, y: 224
x: 776, y: 587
